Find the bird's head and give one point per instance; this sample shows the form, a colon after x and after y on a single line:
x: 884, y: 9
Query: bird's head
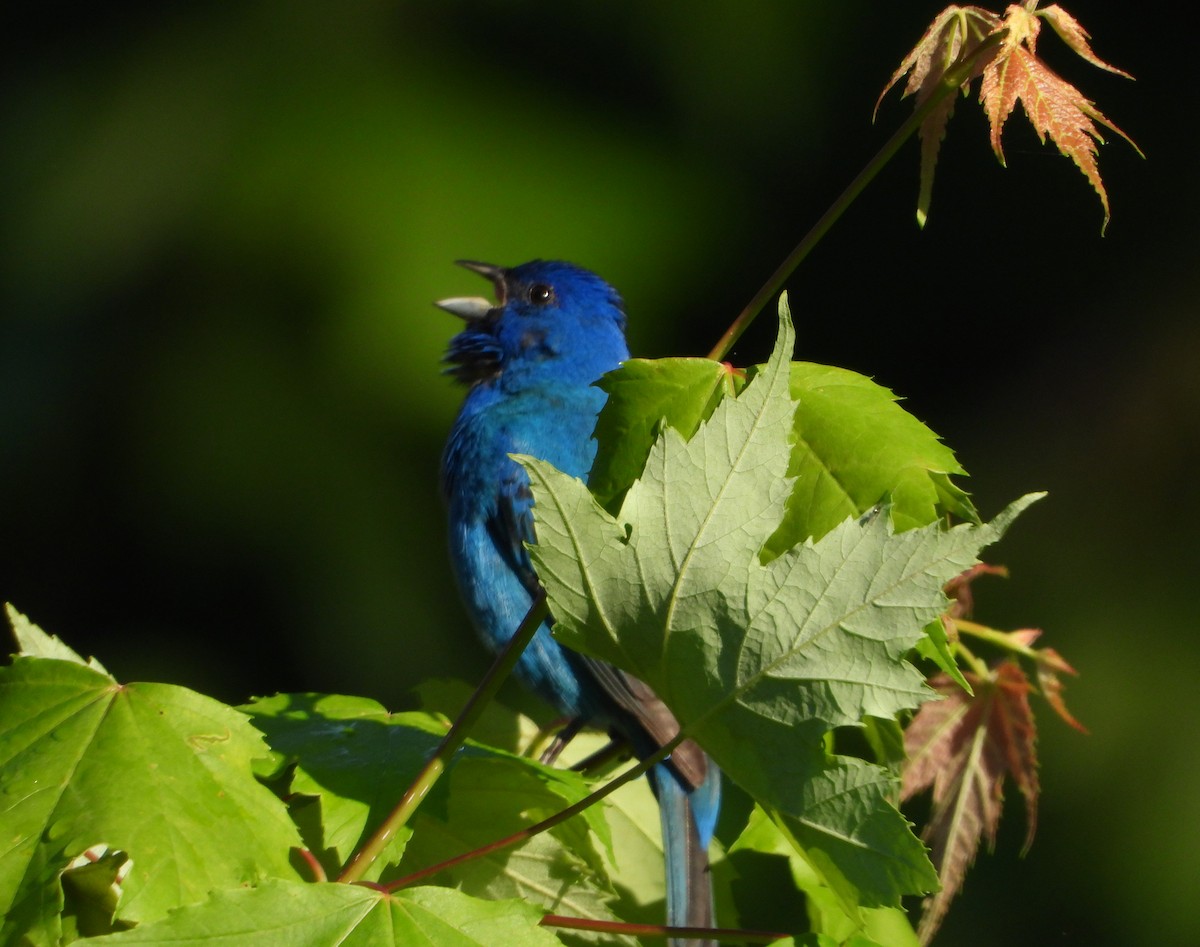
x: 551, y: 322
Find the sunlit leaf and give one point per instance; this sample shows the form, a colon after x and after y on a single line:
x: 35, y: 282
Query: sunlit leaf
x: 35, y: 643
x: 357, y: 760
x: 855, y: 447
x: 681, y: 392
x: 153, y: 770
x: 1054, y: 107
x: 309, y: 915
x: 1010, y: 72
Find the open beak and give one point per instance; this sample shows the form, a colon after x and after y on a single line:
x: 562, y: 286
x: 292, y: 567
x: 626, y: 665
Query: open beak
x: 473, y: 308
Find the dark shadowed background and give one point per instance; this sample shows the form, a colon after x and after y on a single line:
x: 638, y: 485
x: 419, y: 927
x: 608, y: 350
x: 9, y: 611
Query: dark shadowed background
x: 220, y: 402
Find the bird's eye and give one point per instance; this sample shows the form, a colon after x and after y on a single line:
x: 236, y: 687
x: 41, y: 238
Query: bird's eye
x: 540, y: 294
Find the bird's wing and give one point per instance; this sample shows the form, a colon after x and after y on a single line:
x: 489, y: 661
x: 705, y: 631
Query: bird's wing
x: 636, y: 698
x: 510, y: 528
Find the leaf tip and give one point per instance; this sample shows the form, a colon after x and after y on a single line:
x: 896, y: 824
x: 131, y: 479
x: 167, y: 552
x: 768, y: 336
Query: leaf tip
x: 785, y: 343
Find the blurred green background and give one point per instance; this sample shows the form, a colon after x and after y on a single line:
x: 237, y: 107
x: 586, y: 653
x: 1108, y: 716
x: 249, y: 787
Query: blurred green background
x: 221, y: 408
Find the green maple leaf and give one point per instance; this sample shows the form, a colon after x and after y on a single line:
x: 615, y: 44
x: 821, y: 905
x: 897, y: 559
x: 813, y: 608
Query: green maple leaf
x: 157, y: 772
x: 852, y: 444
x: 490, y: 797
x: 680, y: 391
x: 356, y: 759
x: 871, y: 927
x: 309, y: 915
x: 760, y: 657
x: 36, y: 643
x: 351, y: 756
x: 631, y: 859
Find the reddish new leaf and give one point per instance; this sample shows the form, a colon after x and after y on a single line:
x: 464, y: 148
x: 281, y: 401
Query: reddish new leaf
x: 959, y: 589
x: 1025, y: 637
x: 1054, y: 107
x: 1011, y: 73
x: 1075, y: 36
x: 964, y: 747
x: 1050, y: 665
x: 955, y: 33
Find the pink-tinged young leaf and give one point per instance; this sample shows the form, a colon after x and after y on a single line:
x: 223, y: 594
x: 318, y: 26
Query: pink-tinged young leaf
x: 955, y: 31
x: 1054, y: 107
x: 959, y: 591
x: 1011, y: 73
x: 937, y: 50
x: 1025, y: 637
x: 1075, y: 36
x: 963, y: 747
x: 1056, y: 662
x: 1048, y: 669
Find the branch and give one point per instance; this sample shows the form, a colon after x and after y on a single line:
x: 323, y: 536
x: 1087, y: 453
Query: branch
x: 432, y: 771
x: 954, y: 77
x: 559, y: 817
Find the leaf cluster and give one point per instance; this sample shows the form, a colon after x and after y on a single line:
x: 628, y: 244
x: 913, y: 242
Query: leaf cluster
x: 1001, y: 51
x: 738, y: 576
x: 175, y: 791
x: 769, y: 550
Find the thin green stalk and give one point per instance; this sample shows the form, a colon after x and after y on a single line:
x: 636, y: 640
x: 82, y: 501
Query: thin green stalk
x: 954, y: 77
x: 1001, y: 639
x: 433, y: 769
x: 976, y: 665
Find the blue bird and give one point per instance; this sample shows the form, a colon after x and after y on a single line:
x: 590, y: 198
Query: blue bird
x: 529, y: 363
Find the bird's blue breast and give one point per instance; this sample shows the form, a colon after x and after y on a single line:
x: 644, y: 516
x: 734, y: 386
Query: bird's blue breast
x: 491, y: 518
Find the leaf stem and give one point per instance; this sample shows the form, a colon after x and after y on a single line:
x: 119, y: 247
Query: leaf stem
x: 958, y: 73
x: 317, y: 869
x: 454, y: 738
x: 977, y: 665
x: 733, y: 935
x: 1000, y: 639
x: 546, y: 824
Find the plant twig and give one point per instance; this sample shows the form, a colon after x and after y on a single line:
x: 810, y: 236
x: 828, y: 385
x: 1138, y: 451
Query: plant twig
x: 954, y: 77
x: 977, y: 665
x: 433, y: 769
x: 1001, y: 639
x: 548, y: 823
x: 734, y: 935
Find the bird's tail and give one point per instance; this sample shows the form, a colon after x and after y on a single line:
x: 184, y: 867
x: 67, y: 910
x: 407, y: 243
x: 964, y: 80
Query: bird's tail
x: 688, y: 819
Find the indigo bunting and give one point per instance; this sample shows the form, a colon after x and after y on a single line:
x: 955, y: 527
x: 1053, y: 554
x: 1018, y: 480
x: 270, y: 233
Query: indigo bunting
x: 529, y: 363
